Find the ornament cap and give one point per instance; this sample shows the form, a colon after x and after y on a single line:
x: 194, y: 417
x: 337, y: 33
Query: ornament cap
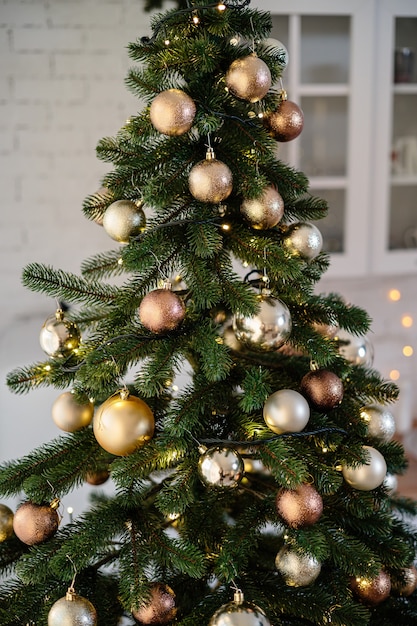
x: 167, y: 285
x: 55, y: 504
x: 70, y: 595
x: 238, y: 597
x: 59, y: 314
x: 283, y: 94
x: 124, y: 394
x: 210, y: 156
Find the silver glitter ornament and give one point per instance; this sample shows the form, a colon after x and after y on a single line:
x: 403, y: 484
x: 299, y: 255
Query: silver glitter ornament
x: 370, y: 474
x: 297, y: 570
x: 286, y: 411
x: 220, y: 467
x: 269, y: 329
x: 59, y: 336
x: 356, y: 350
x: 72, y: 610
x: 304, y: 240
x: 239, y: 613
x: 380, y: 421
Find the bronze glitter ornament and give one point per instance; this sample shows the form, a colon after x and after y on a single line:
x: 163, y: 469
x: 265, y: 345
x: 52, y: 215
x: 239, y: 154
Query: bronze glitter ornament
x: 372, y: 591
x: 69, y: 414
x: 59, y: 336
x: 97, y: 478
x: 210, y: 180
x: 72, y: 610
x: 123, y: 423
x: 124, y: 219
x: 356, y: 350
x: 299, y: 507
x: 380, y: 422
x: 264, y: 212
x: 160, y: 609
x: 303, y: 240
x: 249, y: 78
x: 296, y: 569
x: 172, y: 112
x: 286, y: 122
x: 220, y: 467
x: 239, y: 613
x: 161, y: 310
x: 6, y: 522
x: 323, y: 389
x: 269, y: 329
x: 35, y: 523
x: 286, y: 411
x: 370, y: 474
x: 408, y: 583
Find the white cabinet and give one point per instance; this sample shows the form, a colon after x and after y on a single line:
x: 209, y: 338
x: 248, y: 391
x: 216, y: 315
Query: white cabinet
x: 341, y: 73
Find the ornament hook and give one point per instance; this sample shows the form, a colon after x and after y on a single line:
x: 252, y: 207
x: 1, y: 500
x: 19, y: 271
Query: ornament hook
x: 71, y: 588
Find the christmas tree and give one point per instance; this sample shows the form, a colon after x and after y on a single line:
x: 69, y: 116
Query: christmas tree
x: 250, y: 450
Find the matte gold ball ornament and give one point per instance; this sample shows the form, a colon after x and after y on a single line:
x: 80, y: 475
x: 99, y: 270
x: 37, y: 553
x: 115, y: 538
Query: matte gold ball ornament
x: 380, y: 422
x: 299, y: 507
x: 123, y: 423
x: 124, y: 219
x: 6, y: 522
x: 249, y: 78
x: 71, y: 415
x: 286, y: 122
x: 264, y: 212
x: 162, y: 310
x: 303, y: 240
x: 72, y: 610
x: 35, y: 523
x: 239, y: 612
x: 210, y: 180
x: 298, y: 570
x: 369, y: 474
x: 59, y: 337
x: 220, y: 467
x: 161, y: 607
x: 286, y: 411
x: 322, y: 388
x: 172, y: 112
x: 372, y: 591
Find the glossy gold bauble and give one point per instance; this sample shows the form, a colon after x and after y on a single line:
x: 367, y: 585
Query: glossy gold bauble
x: 123, y: 423
x: 356, y: 350
x: 239, y: 614
x: 286, y: 411
x: 297, y: 570
x: 35, y: 523
x: 220, y: 467
x: 210, y: 180
x: 72, y: 610
x: 372, y: 591
x: 264, y: 212
x: 323, y: 389
x: 160, y: 609
x: 59, y: 336
x: 286, y: 122
x: 123, y: 219
x: 161, y: 310
x: 249, y: 78
x: 380, y: 422
x: 368, y: 475
x: 6, y: 522
x: 69, y: 414
x: 304, y: 240
x: 172, y: 112
x: 299, y: 507
x: 408, y: 584
x: 268, y: 330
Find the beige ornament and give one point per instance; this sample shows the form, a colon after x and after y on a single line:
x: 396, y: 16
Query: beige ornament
x: 172, y: 112
x: 249, y: 78
x: 264, y: 212
x: 210, y: 180
x: 123, y: 219
x: 69, y: 414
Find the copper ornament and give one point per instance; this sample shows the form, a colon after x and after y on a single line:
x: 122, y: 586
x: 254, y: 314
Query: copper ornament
x: 172, y: 112
x: 69, y: 414
x: 408, y: 584
x: 35, y: 523
x: 161, y: 310
x: 59, y: 336
x: 323, y: 389
x: 286, y: 122
x: 249, y: 78
x: 123, y: 219
x: 160, y: 609
x: 98, y: 477
x: 372, y: 591
x: 72, y: 610
x: 210, y: 180
x: 264, y: 212
x: 299, y: 507
x: 6, y: 522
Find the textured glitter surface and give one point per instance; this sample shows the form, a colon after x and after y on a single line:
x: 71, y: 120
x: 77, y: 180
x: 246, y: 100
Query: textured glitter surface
x: 264, y: 212
x: 161, y: 310
x: 304, y: 240
x: 161, y: 608
x: 76, y: 612
x: 287, y: 122
x: 249, y: 78
x: 299, y: 507
x: 380, y: 421
x: 210, y: 181
x: 297, y: 570
x: 323, y: 388
x: 172, y: 112
x: 372, y: 591
x: 34, y: 523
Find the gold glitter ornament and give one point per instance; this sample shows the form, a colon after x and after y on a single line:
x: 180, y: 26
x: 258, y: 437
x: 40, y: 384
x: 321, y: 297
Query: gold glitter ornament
x: 296, y: 569
x: 304, y: 240
x: 380, y: 422
x: 210, y: 180
x: 323, y: 389
x: 72, y: 610
x: 264, y: 212
x: 6, y: 522
x: 286, y: 411
x: 69, y: 414
x: 286, y: 122
x: 123, y: 423
x: 160, y: 609
x: 239, y: 613
x: 408, y: 583
x: 220, y: 467
x: 299, y: 507
x: 161, y: 310
x: 372, y: 591
x: 172, y: 112
x: 124, y: 219
x: 370, y: 474
x: 249, y: 78
x: 35, y: 523
x: 59, y: 336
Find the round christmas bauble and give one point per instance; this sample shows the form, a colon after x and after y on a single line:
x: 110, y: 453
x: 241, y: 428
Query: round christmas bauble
x: 160, y: 609
x: 372, y: 591
x: 210, y: 180
x: 380, y: 422
x: 72, y: 610
x: 123, y: 219
x: 286, y: 122
x: 297, y: 570
x: 230, y: 339
x: 277, y: 47
x: 249, y: 78
x: 69, y: 414
x: 97, y: 478
x: 299, y: 507
x: 220, y: 467
x: 123, y: 423
x: 59, y: 336
x: 323, y: 389
x: 408, y: 583
x: 6, y: 522
x: 356, y: 350
x: 304, y: 240
x: 161, y: 310
x: 172, y: 112
x: 264, y: 212
x: 370, y: 474
x: 390, y: 483
x: 286, y: 411
x: 326, y: 330
x: 244, y: 614
x: 35, y: 523
x: 268, y: 330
